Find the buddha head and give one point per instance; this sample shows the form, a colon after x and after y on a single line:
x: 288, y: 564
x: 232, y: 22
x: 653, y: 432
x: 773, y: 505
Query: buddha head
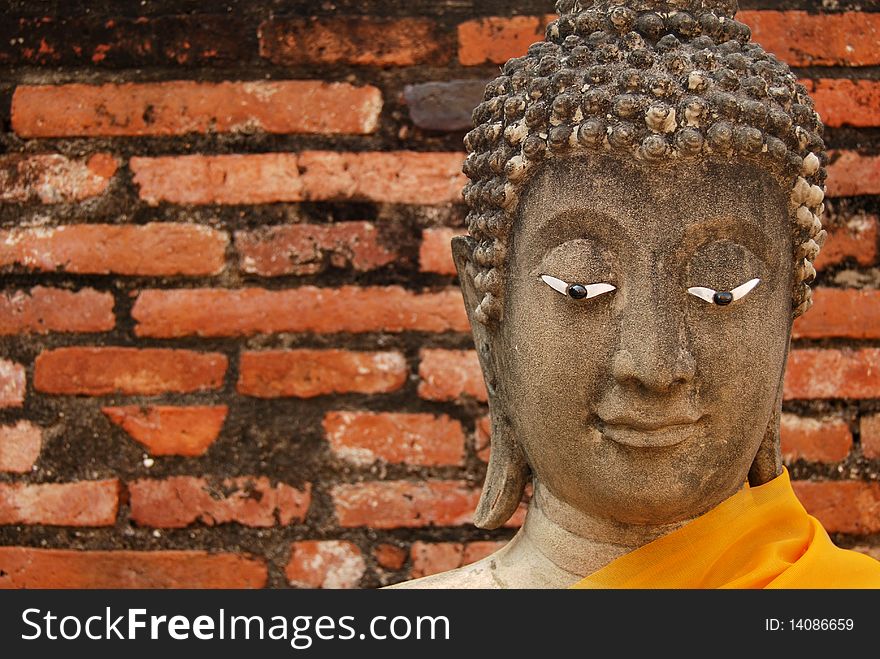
x: 644, y: 201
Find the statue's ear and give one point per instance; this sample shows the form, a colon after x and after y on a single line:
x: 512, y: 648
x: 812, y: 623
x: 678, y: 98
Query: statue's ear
x: 767, y: 464
x: 508, y: 470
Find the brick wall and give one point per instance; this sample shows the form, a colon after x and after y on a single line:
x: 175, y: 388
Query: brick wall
x: 233, y: 348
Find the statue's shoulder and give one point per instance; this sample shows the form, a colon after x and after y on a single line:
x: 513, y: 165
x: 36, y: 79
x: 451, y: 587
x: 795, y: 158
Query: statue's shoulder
x: 479, y: 575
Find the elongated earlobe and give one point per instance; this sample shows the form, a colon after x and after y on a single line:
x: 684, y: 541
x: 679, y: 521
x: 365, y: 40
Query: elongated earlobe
x: 767, y: 464
x: 508, y: 470
x: 505, y: 478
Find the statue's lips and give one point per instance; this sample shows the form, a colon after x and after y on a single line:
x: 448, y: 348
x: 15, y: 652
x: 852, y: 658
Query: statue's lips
x: 659, y: 434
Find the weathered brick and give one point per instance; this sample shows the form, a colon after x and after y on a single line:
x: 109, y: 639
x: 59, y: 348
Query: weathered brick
x: 169, y: 430
x: 400, y: 177
x: 13, y: 382
x: 844, y: 102
x: 42, y: 310
x: 352, y: 40
x: 180, y: 501
x: 851, y: 174
x: 309, y: 249
x: 26, y: 567
x: 842, y: 506
x: 53, y: 178
x: 869, y: 430
x: 20, y: 446
x: 84, y: 503
x: 434, y: 557
x: 444, y: 106
x: 243, y: 312
x: 808, y: 39
x: 310, y: 373
x: 187, y: 106
x: 856, y: 239
x: 817, y: 440
x: 494, y: 40
x: 92, y: 40
x: 148, y: 371
x: 325, y: 564
x: 391, y: 557
x: 435, y: 253
x: 154, y: 249
x: 815, y: 373
x: 396, y: 504
x: 841, y: 312
x: 448, y: 375
x: 416, y: 439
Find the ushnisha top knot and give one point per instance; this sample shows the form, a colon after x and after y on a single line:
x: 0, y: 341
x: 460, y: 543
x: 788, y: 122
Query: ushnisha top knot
x: 725, y: 8
x: 649, y: 80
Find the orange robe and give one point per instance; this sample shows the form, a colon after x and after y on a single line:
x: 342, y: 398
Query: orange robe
x: 761, y: 537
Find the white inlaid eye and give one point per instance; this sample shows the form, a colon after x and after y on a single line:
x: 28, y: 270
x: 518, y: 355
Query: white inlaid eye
x: 723, y: 298
x: 577, y: 291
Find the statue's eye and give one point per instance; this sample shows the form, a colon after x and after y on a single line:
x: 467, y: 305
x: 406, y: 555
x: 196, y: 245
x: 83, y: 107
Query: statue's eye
x: 577, y: 291
x: 723, y: 298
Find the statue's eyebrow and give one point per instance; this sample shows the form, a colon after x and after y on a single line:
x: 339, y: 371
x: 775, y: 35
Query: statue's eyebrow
x: 748, y: 234
x: 603, y: 228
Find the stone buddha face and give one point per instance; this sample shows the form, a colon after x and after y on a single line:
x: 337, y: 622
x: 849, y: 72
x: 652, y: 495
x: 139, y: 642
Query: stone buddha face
x: 645, y: 404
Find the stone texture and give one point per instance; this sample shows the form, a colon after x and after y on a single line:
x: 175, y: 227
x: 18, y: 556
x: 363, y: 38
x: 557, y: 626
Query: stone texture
x: 444, y: 106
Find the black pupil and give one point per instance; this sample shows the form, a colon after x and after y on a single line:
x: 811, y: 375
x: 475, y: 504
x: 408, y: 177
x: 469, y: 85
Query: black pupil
x: 577, y: 291
x: 723, y: 299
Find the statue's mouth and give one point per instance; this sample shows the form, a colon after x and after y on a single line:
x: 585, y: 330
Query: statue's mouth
x: 651, y: 434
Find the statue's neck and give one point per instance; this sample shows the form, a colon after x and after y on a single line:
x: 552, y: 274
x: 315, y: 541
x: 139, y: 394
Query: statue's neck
x: 564, y: 544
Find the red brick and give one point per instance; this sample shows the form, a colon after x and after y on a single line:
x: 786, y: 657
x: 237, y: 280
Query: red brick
x: 435, y: 254
x: 20, y: 446
x: 25, y: 567
x: 187, y: 106
x: 42, y: 310
x: 844, y: 102
x: 180, y: 501
x: 308, y: 249
x: 397, y: 177
x: 851, y: 174
x: 841, y: 312
x: 148, y: 371
x: 805, y: 39
x: 396, y: 504
x: 815, y: 373
x: 401, y: 177
x: 855, y: 239
x: 842, y: 506
x: 85, y: 503
x: 310, y: 373
x: 416, y: 439
x: 869, y: 429
x: 53, y: 178
x: 244, y: 312
x: 391, y: 557
x: 325, y: 564
x: 154, y: 249
x: 494, y: 40
x: 169, y: 430
x: 352, y: 40
x: 13, y: 383
x: 434, y: 557
x: 817, y: 440
x: 450, y: 375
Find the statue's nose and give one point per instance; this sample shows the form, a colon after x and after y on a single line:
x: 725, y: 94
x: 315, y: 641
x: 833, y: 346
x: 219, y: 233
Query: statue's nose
x: 654, y: 348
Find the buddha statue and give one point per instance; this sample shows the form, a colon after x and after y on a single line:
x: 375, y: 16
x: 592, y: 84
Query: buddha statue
x: 645, y: 193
